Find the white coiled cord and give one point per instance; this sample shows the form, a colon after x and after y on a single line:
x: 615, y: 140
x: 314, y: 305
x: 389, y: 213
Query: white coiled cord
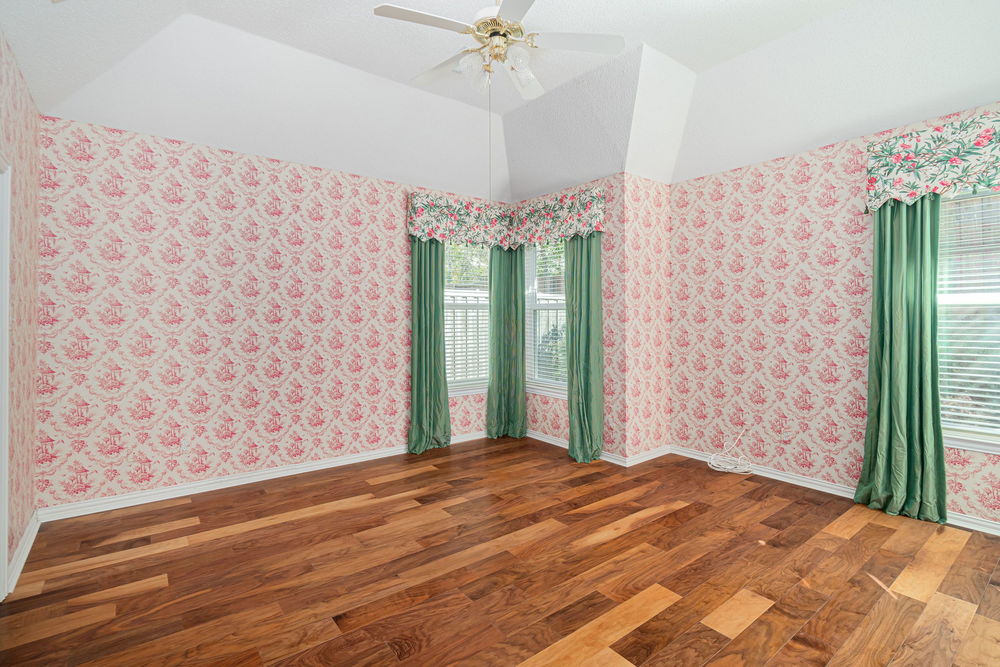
x: 730, y: 459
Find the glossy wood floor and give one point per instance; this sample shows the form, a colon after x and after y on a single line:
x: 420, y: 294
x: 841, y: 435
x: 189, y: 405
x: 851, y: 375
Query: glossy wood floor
x: 505, y: 552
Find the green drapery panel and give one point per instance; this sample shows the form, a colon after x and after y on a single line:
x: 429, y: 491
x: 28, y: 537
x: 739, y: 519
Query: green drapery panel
x: 903, y: 471
x: 584, y: 347
x: 506, y: 401
x: 430, y: 420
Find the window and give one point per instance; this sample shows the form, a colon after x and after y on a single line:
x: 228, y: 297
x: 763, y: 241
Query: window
x: 466, y: 317
x: 545, y: 318
x: 969, y: 320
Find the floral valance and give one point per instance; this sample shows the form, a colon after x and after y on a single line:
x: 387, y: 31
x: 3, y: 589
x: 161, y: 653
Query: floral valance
x: 433, y: 216
x: 947, y: 158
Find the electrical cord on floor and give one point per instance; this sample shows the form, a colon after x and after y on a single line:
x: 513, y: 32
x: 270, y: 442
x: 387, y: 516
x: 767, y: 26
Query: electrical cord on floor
x: 731, y: 459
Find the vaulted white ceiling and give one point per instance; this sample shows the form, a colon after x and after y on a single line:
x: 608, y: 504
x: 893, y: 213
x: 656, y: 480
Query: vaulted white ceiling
x: 702, y: 86
x: 62, y: 46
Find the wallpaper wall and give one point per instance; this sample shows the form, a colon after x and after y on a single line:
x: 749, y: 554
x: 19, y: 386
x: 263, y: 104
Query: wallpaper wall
x: 742, y: 301
x: 636, y: 332
x: 19, y: 146
x: 643, y: 275
x: 771, y: 297
x: 205, y: 313
x: 770, y: 291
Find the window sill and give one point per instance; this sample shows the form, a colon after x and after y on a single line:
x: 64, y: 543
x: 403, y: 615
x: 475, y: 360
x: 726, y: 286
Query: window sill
x: 972, y: 442
x: 467, y: 390
x: 552, y: 390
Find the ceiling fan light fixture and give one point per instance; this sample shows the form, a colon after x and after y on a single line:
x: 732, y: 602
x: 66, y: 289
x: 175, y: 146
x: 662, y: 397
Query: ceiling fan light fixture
x: 524, y: 76
x: 469, y: 64
x: 481, y: 82
x: 519, y: 57
x: 502, y: 42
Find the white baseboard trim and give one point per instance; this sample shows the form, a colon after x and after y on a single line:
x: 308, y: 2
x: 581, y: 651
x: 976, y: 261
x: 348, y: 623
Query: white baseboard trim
x: 68, y: 510
x: 83, y: 507
x: 954, y: 518
x: 646, y: 456
x: 458, y: 439
x: 974, y: 523
x: 551, y: 439
x: 617, y: 459
x: 773, y: 473
x: 20, y: 555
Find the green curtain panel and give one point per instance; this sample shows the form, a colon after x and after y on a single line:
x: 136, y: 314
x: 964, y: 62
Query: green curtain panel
x: 903, y: 471
x: 506, y: 401
x: 585, y: 349
x: 430, y: 420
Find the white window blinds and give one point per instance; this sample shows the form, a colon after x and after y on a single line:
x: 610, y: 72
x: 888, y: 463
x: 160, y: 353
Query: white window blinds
x: 545, y: 316
x: 969, y: 316
x: 466, y: 315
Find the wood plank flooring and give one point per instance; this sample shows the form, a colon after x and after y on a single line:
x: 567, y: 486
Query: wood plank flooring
x: 505, y: 552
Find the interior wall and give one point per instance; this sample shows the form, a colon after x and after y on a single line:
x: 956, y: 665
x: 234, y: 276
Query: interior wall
x: 643, y: 276
x: 19, y: 145
x: 742, y: 300
x: 771, y: 270
x: 205, y: 313
x: 770, y: 287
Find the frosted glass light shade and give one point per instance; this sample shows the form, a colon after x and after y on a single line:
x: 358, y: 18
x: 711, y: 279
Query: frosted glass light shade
x: 481, y: 84
x: 524, y: 76
x: 519, y: 57
x: 469, y: 64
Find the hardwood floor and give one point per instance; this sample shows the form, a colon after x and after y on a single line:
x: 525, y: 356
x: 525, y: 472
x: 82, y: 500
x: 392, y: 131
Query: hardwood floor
x: 505, y: 552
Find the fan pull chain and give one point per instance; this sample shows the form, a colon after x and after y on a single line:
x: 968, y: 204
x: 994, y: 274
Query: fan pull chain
x: 489, y: 105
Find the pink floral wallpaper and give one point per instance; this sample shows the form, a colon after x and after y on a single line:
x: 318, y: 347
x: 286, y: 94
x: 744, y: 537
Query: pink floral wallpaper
x: 973, y: 483
x: 19, y: 146
x: 770, y: 300
x: 550, y: 416
x: 468, y: 414
x: 642, y: 274
x: 204, y: 313
x: 770, y: 309
x: 742, y: 301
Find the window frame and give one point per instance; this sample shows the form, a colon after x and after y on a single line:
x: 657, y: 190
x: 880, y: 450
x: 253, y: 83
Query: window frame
x: 954, y: 436
x: 473, y: 386
x: 534, y: 385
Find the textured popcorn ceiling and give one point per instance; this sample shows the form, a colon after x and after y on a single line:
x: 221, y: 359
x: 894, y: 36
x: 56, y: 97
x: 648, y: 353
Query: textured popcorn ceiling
x: 62, y: 46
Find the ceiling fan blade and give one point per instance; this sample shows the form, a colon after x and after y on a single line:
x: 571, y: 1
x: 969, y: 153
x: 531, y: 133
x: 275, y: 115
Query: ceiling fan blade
x: 439, y: 70
x: 514, y: 10
x: 529, y: 90
x: 578, y: 41
x: 414, y: 16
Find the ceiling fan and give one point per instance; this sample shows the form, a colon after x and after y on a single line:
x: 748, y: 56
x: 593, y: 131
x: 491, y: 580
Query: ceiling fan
x: 502, y: 42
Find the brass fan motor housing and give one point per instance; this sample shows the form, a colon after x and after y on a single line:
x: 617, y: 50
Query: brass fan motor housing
x: 493, y: 26
x: 496, y: 35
